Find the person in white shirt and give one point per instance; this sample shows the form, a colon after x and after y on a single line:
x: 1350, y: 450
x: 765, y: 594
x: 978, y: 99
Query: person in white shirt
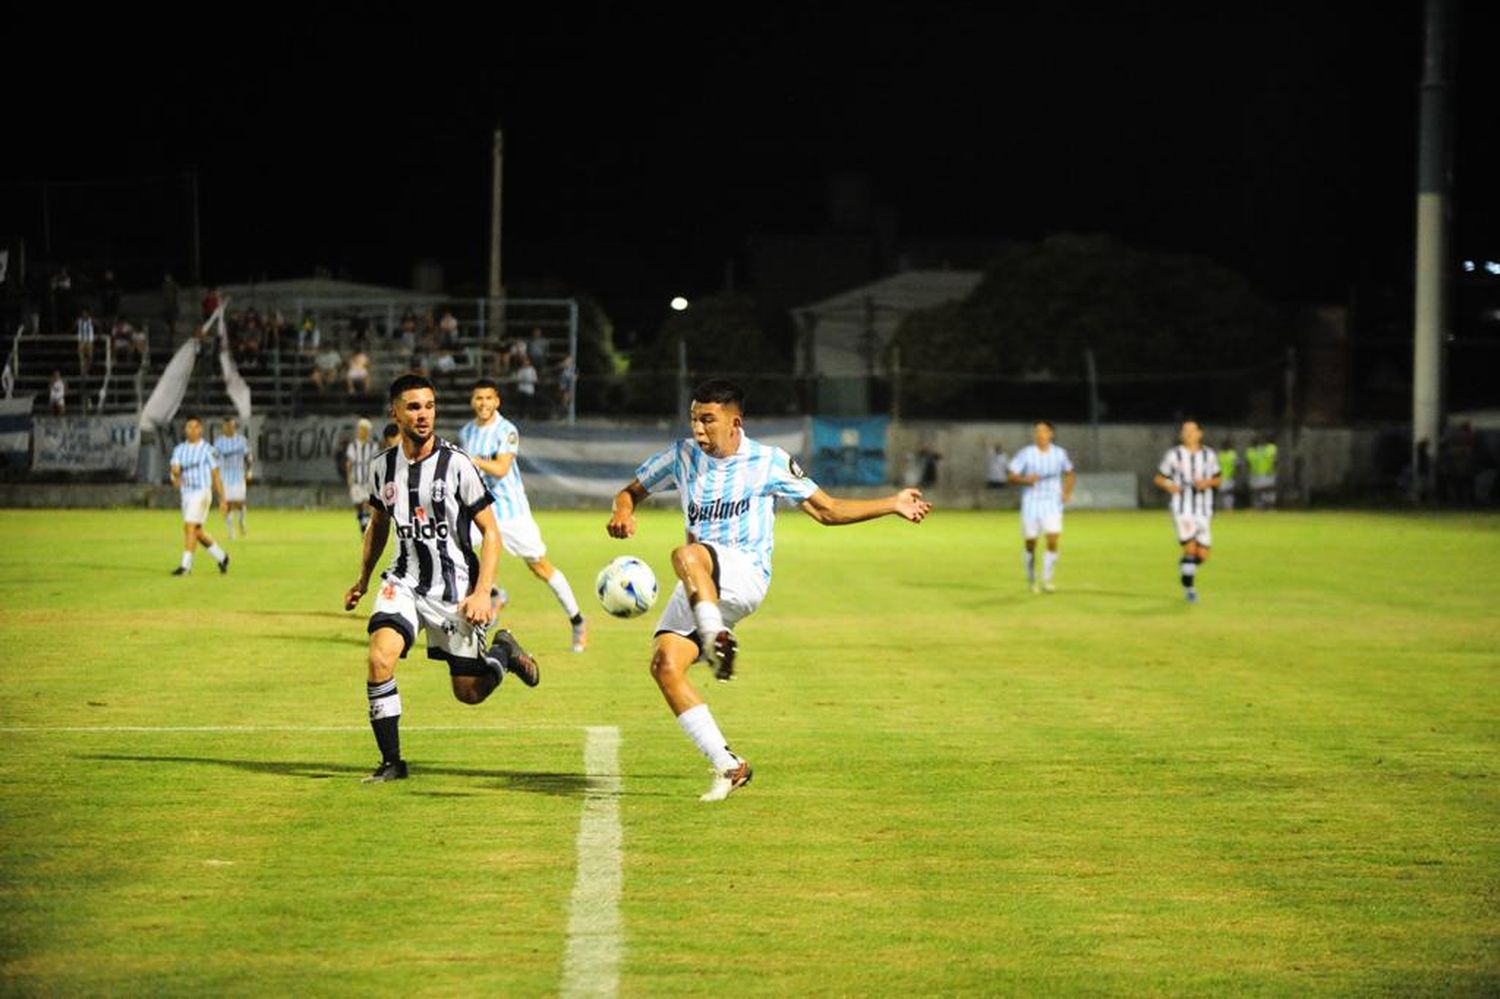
x: 1047, y: 473
x: 195, y: 471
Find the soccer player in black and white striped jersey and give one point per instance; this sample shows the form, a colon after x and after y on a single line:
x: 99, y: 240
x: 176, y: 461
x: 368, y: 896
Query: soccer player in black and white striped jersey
x: 432, y: 493
x: 1190, y: 473
x: 357, y: 458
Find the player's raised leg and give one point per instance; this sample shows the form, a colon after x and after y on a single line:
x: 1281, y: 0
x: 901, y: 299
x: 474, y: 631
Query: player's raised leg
x: 694, y: 565
x: 670, y: 659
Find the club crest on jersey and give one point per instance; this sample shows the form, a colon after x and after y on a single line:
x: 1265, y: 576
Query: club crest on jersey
x: 794, y: 468
x: 439, y: 491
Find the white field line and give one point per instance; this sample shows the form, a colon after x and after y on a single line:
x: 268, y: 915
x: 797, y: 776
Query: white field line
x: 254, y: 729
x: 591, y: 966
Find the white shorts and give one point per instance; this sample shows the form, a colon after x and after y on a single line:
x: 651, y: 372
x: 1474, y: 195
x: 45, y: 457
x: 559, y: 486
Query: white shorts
x: 195, y: 505
x: 742, y: 586
x: 520, y: 536
x: 1262, y: 482
x: 449, y: 637
x: 235, y: 493
x: 1047, y: 523
x: 1191, y: 528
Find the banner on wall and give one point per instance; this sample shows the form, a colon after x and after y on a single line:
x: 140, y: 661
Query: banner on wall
x: 15, y: 432
x: 85, y: 444
x: 849, y: 452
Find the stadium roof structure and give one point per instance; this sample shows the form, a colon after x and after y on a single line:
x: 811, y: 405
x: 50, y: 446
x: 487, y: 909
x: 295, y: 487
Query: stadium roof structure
x: 845, y: 336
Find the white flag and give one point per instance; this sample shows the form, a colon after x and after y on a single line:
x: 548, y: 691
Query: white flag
x: 234, y: 382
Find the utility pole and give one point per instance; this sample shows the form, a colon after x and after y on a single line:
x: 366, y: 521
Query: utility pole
x: 497, y: 288
x: 1432, y: 242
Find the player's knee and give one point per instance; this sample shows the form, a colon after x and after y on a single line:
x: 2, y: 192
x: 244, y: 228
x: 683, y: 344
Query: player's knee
x: 686, y: 558
x: 663, y: 669
x: 468, y: 690
x: 541, y: 569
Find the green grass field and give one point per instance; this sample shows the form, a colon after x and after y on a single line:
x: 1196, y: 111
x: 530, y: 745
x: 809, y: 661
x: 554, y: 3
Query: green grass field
x: 961, y: 788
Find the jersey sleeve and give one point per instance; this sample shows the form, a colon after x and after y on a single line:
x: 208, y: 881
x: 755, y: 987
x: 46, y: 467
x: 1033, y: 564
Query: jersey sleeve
x: 788, y: 479
x: 372, y: 486
x: 509, y: 443
x: 1214, y: 468
x: 1168, y: 466
x: 472, y: 495
x: 1018, y: 463
x: 213, y: 456
x: 176, y: 460
x: 655, y: 473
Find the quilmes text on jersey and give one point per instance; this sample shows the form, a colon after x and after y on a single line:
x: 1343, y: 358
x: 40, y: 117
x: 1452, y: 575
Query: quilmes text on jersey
x: 717, y: 510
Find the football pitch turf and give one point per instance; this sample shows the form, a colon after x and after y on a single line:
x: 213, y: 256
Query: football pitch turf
x: 961, y: 788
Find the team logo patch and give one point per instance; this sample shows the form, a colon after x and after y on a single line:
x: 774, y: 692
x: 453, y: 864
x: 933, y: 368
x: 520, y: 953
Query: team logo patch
x: 388, y: 592
x: 795, y: 469
x: 389, y: 493
x: 512, y: 437
x: 439, y: 491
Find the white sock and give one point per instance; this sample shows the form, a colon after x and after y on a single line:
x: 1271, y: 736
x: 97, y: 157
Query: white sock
x: 564, y: 593
x: 1028, y: 559
x: 700, y: 726
x: 710, y: 621
x: 187, y: 560
x: 240, y: 513
x: 216, y: 553
x: 1049, y: 562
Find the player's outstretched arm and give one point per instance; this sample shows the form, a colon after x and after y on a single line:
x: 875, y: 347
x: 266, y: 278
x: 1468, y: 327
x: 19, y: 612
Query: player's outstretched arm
x: 831, y: 511
x: 622, y: 514
x: 219, y: 491
x: 374, y: 544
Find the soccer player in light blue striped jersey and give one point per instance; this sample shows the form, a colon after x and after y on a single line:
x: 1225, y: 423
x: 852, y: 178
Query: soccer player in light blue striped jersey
x: 729, y: 485
x: 1047, y: 473
x: 195, y: 471
x: 493, y: 442
x: 235, y: 460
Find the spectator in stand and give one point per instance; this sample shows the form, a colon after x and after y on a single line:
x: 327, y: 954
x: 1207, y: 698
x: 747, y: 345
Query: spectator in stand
x: 526, y: 379
x: 326, y: 367
x: 357, y: 376
x: 109, y: 298
x: 57, y: 394
x: 408, y: 333
x: 536, y: 349
x: 517, y: 355
x: 251, y: 335
x: 210, y: 303
x: 309, y: 336
x: 567, y: 380
x: 83, y: 331
x: 997, y: 474
x: 278, y: 333
x: 169, y: 307
x: 122, y: 338
x: 448, y: 329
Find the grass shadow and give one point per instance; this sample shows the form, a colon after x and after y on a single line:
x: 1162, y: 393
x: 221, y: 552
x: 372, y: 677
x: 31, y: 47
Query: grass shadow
x: 565, y: 785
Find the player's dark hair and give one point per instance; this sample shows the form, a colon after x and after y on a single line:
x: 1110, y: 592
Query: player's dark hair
x: 722, y: 391
x: 1044, y: 423
x: 407, y: 382
x: 190, y: 418
x: 391, y: 430
x: 485, y: 383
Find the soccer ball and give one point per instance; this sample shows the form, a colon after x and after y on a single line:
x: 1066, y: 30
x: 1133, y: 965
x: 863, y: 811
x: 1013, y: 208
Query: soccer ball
x: 626, y: 587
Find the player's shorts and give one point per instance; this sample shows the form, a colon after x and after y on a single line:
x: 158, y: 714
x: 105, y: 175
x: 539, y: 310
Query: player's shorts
x: 1262, y: 482
x: 1191, y: 528
x: 235, y: 492
x: 195, y: 505
x: 449, y: 637
x: 742, y: 586
x: 359, y: 495
x: 519, y: 535
x: 1047, y: 523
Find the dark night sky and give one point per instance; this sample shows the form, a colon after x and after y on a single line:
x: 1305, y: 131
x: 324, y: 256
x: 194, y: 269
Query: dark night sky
x: 645, y: 145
